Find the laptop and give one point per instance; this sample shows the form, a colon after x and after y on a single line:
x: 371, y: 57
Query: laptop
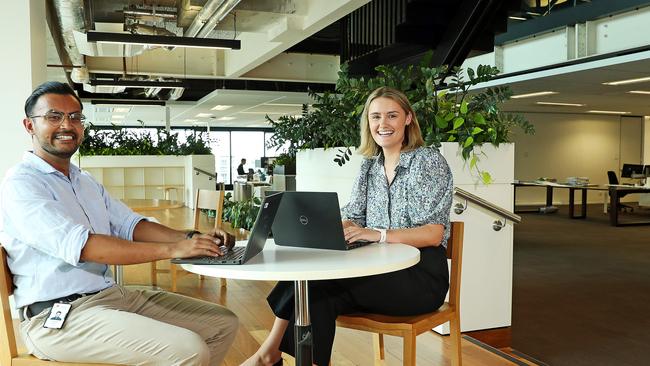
x: 311, y: 220
x: 256, y: 241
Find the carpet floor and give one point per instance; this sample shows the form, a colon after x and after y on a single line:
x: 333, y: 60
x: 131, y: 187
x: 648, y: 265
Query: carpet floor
x: 581, y: 289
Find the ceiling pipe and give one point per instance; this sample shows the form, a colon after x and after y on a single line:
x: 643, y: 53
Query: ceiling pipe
x: 217, y: 17
x: 71, y: 18
x: 202, y: 17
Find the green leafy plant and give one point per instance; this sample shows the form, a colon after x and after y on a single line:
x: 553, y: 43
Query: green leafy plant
x: 119, y: 141
x: 443, y: 100
x: 241, y: 214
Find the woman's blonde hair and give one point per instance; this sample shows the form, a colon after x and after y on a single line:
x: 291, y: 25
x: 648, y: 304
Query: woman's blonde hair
x: 412, y: 134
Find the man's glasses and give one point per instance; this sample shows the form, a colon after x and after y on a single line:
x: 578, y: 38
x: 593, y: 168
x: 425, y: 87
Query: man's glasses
x: 55, y: 118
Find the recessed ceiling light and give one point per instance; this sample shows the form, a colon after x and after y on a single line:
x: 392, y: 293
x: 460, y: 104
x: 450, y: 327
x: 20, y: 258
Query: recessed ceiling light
x: 285, y: 104
x: 533, y: 13
x: 536, y: 94
x: 204, y: 115
x: 561, y: 104
x: 121, y: 110
x: 220, y: 107
x: 117, y: 116
x: 263, y: 112
x: 226, y: 118
x: 517, y: 18
x: 608, y: 112
x: 639, y: 92
x: 628, y: 81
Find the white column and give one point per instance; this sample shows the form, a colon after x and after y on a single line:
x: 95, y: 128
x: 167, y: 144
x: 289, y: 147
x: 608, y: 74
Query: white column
x: 23, y: 67
x: 645, y: 144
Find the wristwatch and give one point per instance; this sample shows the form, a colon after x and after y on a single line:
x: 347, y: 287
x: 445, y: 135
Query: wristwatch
x: 382, y: 234
x: 190, y: 234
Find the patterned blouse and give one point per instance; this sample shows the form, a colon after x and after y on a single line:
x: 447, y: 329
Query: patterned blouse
x: 420, y: 194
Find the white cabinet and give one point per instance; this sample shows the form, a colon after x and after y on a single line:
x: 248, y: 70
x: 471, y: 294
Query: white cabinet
x: 149, y: 177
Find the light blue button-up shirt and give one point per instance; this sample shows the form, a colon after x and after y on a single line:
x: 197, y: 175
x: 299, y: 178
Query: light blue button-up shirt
x: 45, y: 220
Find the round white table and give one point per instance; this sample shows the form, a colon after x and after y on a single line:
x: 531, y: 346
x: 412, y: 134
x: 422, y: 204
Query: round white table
x: 280, y: 263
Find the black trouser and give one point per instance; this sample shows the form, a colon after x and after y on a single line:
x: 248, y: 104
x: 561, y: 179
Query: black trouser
x: 412, y: 291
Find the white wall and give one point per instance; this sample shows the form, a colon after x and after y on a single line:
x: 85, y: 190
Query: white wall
x: 23, y: 68
x: 582, y: 145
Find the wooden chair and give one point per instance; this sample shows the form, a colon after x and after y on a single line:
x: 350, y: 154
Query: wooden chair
x: 205, y: 199
x: 9, y: 355
x: 409, y: 327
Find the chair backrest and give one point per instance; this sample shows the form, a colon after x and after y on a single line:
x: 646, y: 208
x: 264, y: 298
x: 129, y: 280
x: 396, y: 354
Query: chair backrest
x: 611, y: 177
x: 210, y: 200
x: 8, y: 348
x: 455, y: 253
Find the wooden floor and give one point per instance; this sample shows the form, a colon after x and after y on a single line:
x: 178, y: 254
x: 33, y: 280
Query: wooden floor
x: 248, y: 300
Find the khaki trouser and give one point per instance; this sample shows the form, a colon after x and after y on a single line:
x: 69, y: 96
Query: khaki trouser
x: 135, y: 327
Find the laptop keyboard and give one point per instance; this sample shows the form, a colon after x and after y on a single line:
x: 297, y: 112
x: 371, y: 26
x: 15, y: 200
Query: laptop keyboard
x: 234, y: 254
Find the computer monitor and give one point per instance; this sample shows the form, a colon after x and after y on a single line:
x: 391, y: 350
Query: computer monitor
x: 632, y: 171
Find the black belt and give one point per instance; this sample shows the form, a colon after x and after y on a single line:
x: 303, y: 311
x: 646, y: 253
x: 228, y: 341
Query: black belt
x: 26, y: 312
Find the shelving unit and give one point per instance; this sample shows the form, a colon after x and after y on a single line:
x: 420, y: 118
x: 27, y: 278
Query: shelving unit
x: 150, y: 177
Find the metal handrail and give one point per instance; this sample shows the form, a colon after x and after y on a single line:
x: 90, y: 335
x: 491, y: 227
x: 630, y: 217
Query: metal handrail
x: 201, y: 171
x: 487, y: 205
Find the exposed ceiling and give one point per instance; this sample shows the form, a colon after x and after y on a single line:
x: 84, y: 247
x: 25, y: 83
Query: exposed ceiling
x: 288, y: 47
x: 583, y: 84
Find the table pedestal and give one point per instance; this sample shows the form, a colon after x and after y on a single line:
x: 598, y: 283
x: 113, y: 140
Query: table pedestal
x: 302, y: 328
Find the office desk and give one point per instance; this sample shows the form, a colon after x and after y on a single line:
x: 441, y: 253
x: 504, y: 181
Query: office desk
x: 549, y: 196
x: 279, y: 263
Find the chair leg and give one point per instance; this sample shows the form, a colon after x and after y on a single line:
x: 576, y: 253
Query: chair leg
x: 154, y: 274
x: 224, y: 283
x: 378, y: 347
x: 454, y: 334
x: 174, y: 272
x: 409, y: 349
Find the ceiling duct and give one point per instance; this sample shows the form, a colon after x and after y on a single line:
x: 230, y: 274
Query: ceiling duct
x: 217, y: 17
x: 71, y: 18
x: 202, y: 17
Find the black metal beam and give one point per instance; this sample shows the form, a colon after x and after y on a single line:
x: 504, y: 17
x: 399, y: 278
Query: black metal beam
x: 144, y: 39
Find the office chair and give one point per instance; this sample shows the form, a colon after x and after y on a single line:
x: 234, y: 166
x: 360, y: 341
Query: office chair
x: 9, y: 353
x: 613, y: 180
x: 409, y: 327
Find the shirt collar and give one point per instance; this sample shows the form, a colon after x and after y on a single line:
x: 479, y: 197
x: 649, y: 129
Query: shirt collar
x: 405, y: 158
x: 38, y: 163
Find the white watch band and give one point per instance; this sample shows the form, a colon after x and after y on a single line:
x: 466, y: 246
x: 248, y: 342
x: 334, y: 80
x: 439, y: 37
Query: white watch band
x: 382, y: 234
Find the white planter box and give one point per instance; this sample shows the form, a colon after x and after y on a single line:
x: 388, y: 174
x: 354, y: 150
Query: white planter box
x: 146, y: 176
x: 486, y: 287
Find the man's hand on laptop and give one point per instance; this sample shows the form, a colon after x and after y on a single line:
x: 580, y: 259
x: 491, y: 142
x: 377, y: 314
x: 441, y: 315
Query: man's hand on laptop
x: 197, y: 245
x: 223, y: 238
x: 349, y: 223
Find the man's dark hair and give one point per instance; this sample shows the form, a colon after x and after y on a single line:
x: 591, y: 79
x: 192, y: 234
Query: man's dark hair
x: 49, y: 87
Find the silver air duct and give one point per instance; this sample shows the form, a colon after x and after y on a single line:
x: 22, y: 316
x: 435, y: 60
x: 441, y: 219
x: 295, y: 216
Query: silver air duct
x: 217, y: 17
x: 71, y: 18
x: 202, y: 17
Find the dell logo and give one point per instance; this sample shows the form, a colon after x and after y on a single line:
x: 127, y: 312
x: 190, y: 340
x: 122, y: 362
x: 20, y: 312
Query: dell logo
x: 303, y: 219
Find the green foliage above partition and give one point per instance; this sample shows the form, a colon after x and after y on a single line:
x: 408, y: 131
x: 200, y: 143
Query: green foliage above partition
x: 443, y: 100
x: 120, y: 141
x: 241, y: 214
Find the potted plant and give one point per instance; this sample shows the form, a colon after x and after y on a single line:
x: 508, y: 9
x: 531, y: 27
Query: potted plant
x: 446, y: 106
x: 241, y: 214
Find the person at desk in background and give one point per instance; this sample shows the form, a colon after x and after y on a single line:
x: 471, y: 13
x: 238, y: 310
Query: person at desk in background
x: 62, y: 230
x: 417, y: 182
x: 240, y: 168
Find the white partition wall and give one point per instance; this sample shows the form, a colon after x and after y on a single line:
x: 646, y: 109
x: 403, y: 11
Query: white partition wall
x: 486, y: 284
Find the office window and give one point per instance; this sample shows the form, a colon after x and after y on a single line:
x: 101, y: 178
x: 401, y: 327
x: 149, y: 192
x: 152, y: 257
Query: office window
x: 249, y: 146
x: 274, y: 151
x: 220, y: 146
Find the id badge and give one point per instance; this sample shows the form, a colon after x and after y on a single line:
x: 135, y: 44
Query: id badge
x: 57, y: 315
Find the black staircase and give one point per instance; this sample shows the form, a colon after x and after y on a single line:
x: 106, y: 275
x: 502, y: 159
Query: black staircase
x: 401, y: 31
